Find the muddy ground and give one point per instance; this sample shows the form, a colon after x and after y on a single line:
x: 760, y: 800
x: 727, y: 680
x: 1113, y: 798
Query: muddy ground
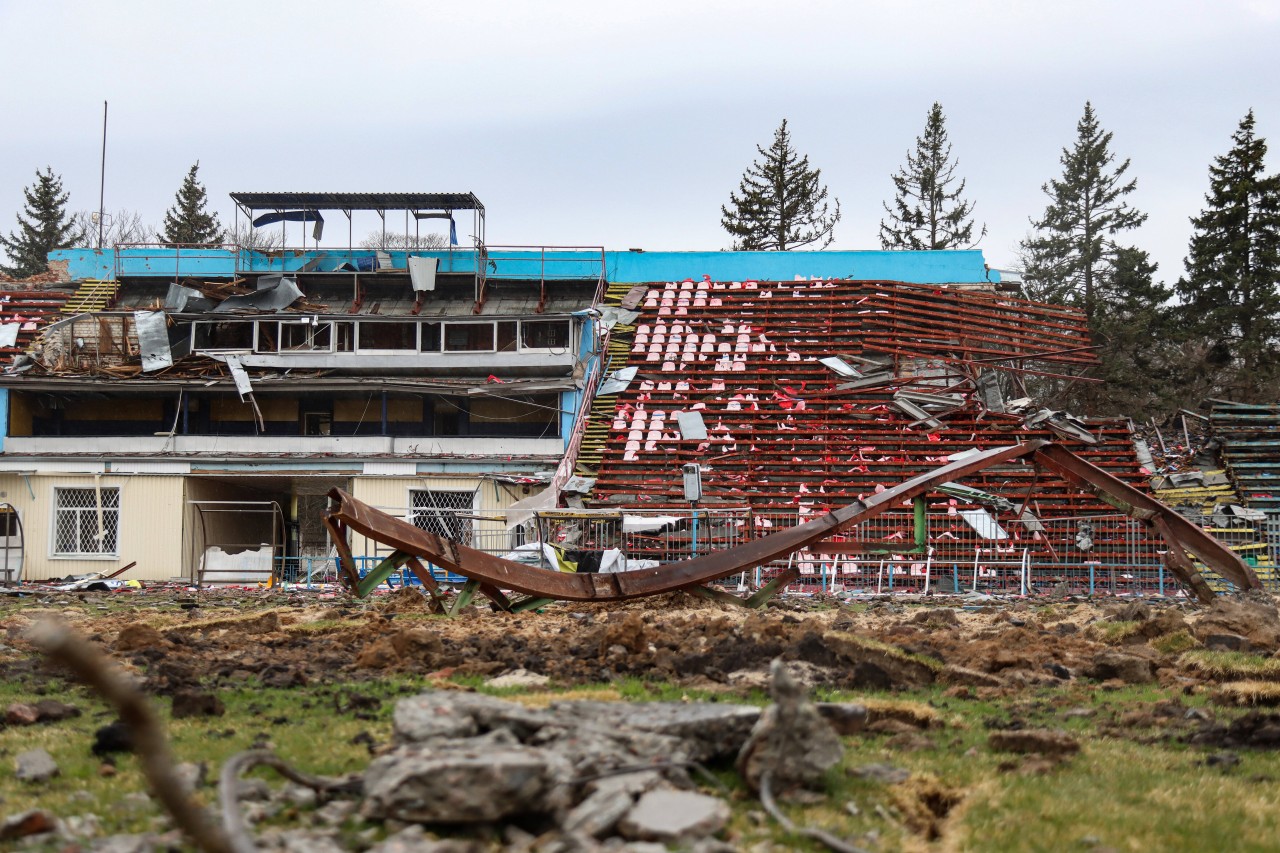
x: 1031, y: 661
x: 178, y: 639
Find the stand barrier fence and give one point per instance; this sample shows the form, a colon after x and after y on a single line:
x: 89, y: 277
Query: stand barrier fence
x: 1093, y: 555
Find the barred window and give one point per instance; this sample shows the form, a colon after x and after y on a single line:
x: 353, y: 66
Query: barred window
x: 76, y: 530
x: 446, y: 514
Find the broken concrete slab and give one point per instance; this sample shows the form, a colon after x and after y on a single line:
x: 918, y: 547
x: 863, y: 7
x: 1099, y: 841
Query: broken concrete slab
x: 670, y: 816
x: 711, y: 731
x: 476, y: 783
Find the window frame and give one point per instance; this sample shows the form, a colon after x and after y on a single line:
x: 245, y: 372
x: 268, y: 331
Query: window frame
x: 56, y: 514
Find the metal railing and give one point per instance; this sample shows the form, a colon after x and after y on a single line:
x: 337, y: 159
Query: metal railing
x: 1095, y: 555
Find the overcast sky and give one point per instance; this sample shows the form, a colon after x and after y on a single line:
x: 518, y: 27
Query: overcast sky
x: 628, y: 124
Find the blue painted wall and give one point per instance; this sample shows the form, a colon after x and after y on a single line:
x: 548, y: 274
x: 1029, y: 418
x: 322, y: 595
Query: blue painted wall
x: 4, y: 416
x: 919, y: 267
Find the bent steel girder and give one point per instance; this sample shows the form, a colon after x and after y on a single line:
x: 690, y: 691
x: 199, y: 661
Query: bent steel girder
x: 495, y: 572
x: 530, y: 580
x: 1177, y: 531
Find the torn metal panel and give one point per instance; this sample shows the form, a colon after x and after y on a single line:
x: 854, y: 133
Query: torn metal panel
x: 9, y: 334
x: 1063, y: 424
x: 579, y: 485
x: 920, y: 415
x: 239, y: 376
x: 153, y: 339
x: 277, y: 294
x: 1029, y: 521
x: 839, y: 366
x: 920, y: 398
x: 304, y: 216
x: 611, y: 316
x: 989, y: 390
x: 983, y: 523
x: 692, y: 427
x: 422, y: 273
x: 976, y: 496
x: 617, y: 381
x: 182, y: 299
x: 635, y: 296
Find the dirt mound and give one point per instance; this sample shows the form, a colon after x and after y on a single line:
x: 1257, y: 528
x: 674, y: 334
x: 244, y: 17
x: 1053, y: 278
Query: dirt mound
x: 1258, y: 620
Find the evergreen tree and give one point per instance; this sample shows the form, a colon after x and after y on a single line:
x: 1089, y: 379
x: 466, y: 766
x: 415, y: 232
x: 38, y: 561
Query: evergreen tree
x: 1144, y: 366
x: 188, y: 221
x: 44, y: 227
x: 779, y: 204
x: 928, y: 211
x: 1231, y: 291
x: 1073, y: 248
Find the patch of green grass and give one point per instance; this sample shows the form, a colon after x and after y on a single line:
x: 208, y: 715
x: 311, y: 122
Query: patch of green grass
x: 1114, y: 632
x: 1172, y: 644
x: 1233, y: 665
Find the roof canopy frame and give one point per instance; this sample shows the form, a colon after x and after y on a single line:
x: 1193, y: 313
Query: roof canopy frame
x: 416, y: 206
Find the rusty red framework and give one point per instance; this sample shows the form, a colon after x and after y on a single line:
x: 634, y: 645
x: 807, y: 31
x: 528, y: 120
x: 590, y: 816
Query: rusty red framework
x: 491, y: 575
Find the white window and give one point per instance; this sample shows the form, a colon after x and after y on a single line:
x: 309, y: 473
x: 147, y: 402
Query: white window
x: 82, y: 527
x: 448, y: 514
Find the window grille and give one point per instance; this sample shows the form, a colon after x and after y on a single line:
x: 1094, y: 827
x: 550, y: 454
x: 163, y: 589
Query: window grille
x: 443, y: 513
x: 76, y: 514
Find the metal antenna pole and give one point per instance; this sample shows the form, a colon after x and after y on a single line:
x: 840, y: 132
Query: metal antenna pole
x: 102, y: 184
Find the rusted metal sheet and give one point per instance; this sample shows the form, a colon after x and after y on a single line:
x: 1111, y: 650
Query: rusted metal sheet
x: 490, y: 571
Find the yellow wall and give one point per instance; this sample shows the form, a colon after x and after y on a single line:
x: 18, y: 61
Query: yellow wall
x: 151, y: 523
x: 21, y: 411
x: 392, y: 494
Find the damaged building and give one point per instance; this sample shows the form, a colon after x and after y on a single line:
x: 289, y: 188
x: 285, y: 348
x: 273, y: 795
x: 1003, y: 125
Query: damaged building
x: 185, y: 410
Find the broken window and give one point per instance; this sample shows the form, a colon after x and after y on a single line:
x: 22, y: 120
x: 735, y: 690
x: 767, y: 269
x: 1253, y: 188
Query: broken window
x: 507, y: 336
x: 430, y: 337
x: 544, y: 334
x: 230, y: 335
x: 81, y: 526
x: 344, y: 337
x: 468, y: 337
x: 444, y: 513
x: 386, y: 336
x: 306, y: 337
x: 533, y: 416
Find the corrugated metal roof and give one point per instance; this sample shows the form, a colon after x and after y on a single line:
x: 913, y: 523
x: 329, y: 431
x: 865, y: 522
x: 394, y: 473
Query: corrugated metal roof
x: 358, y: 201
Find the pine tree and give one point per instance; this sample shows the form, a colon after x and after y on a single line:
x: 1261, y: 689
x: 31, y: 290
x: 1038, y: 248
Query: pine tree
x: 45, y: 227
x: 928, y: 211
x: 188, y: 221
x: 1231, y: 291
x: 1143, y: 365
x: 1073, y: 248
x: 779, y: 204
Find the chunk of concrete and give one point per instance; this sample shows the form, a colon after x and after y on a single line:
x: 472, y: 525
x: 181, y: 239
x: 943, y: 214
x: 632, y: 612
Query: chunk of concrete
x: 670, y: 816
x: 453, y: 785
x: 519, y: 678
x: 791, y: 741
x: 423, y: 718
x: 36, y: 765
x: 711, y: 730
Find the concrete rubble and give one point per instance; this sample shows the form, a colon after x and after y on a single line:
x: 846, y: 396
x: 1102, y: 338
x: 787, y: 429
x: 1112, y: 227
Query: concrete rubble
x: 592, y: 771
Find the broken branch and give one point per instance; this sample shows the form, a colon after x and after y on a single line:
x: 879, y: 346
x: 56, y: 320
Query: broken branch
x: 71, y: 650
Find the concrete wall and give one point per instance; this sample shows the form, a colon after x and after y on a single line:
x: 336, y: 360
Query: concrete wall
x: 151, y: 524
